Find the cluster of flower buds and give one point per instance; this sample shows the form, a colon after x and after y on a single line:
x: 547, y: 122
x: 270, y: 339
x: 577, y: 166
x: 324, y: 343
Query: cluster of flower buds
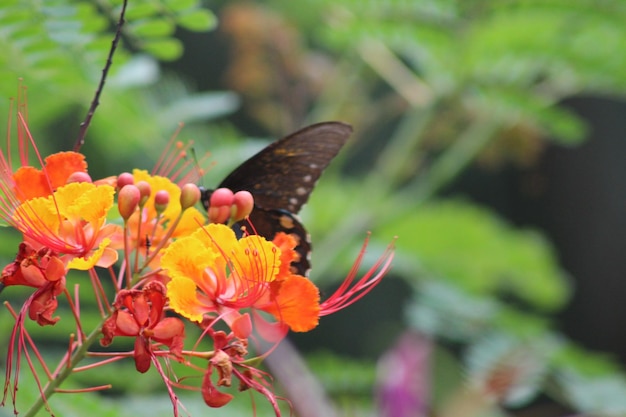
x: 169, y: 266
x: 226, y: 206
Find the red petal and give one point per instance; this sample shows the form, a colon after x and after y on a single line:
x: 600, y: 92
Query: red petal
x: 211, y: 395
x: 126, y: 324
x: 242, y: 326
x: 141, y: 309
x: 142, y: 355
x: 108, y: 329
x: 55, y: 270
x: 171, y: 332
x: 43, y: 305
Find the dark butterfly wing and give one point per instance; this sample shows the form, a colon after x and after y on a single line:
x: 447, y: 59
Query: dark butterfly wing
x: 281, y: 178
x: 282, y: 175
x: 269, y: 222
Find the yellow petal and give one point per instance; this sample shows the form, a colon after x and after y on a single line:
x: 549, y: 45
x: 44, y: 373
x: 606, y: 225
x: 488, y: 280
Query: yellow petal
x: 257, y: 258
x: 188, y: 257
x: 190, y: 222
x: 90, y: 261
x: 218, y: 237
x: 38, y: 215
x: 181, y: 292
x: 83, y: 200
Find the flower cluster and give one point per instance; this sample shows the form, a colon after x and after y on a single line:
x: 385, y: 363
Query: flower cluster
x: 158, y: 266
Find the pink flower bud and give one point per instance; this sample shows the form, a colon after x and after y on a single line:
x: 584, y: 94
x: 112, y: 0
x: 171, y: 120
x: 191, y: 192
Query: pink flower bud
x: 128, y: 200
x: 243, y: 204
x: 161, y: 200
x: 78, y: 176
x: 145, y: 190
x: 123, y: 179
x: 222, y: 197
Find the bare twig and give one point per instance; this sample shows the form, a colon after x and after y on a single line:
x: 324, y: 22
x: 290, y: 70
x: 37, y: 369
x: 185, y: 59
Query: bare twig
x: 96, y: 99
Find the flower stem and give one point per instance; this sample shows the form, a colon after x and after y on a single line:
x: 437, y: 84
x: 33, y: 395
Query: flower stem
x: 52, y: 385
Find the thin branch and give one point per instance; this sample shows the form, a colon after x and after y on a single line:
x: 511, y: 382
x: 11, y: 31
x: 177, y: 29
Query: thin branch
x: 80, y: 141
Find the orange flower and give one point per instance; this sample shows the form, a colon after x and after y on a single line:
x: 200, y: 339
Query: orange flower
x: 30, y: 182
x: 27, y: 181
x: 71, y: 222
x: 212, y: 273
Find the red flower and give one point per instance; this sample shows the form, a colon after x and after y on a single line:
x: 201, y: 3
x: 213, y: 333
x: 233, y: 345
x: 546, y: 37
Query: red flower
x: 229, y: 359
x: 43, y: 270
x: 139, y: 313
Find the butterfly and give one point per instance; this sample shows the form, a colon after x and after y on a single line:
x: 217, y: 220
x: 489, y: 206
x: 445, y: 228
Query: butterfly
x: 281, y: 178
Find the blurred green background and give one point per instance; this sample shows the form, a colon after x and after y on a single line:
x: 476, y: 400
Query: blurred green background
x: 489, y: 137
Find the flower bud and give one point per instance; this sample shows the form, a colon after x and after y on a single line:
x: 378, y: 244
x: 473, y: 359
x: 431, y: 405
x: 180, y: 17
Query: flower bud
x: 219, y: 214
x: 161, y: 200
x: 145, y: 190
x: 123, y: 179
x: 128, y: 200
x: 220, y: 205
x: 243, y: 205
x: 78, y: 176
x: 189, y: 196
x: 222, y: 197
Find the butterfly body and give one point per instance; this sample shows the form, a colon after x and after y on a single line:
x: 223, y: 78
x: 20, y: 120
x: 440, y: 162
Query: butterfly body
x: 281, y: 178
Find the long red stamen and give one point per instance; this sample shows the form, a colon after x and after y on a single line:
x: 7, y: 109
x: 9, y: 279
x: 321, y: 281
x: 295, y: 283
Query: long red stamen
x: 165, y: 158
x: 347, y: 294
x: 22, y: 106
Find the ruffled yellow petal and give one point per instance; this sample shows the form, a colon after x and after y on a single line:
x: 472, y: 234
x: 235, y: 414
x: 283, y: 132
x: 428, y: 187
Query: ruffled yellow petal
x: 218, y: 237
x: 187, y: 257
x: 181, y: 292
x: 83, y: 200
x: 90, y: 261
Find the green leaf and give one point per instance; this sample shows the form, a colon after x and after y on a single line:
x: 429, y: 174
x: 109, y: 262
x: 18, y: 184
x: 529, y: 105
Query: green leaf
x: 178, y: 5
x: 153, y: 28
x: 137, y: 11
x: 165, y: 49
x: 197, y: 20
